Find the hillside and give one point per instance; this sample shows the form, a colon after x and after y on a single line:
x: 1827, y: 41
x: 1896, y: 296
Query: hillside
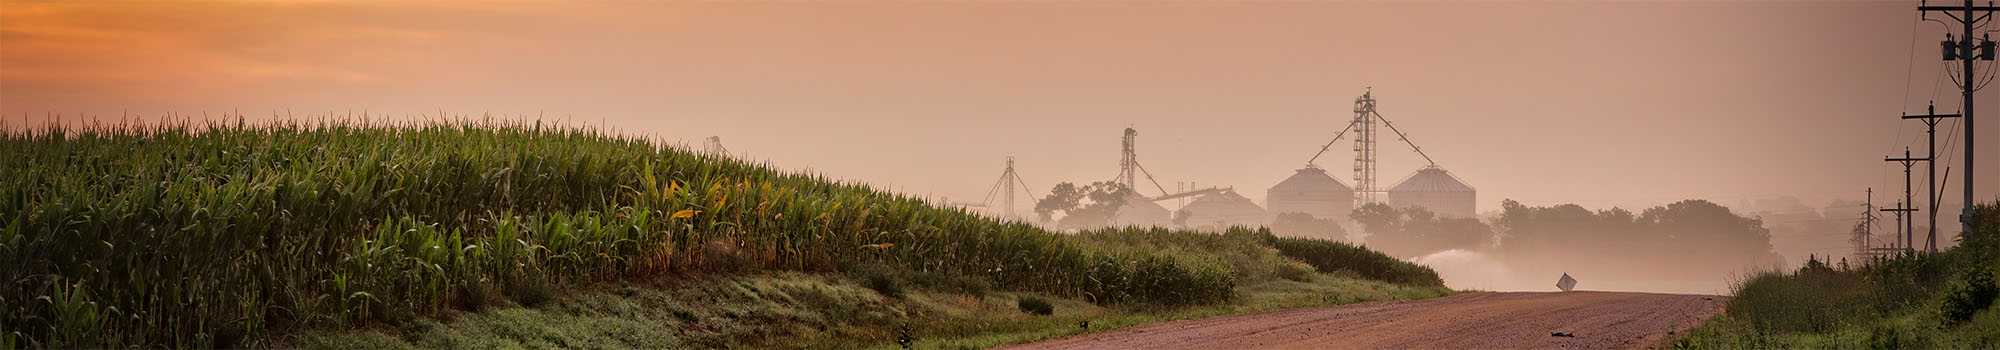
x: 231, y: 236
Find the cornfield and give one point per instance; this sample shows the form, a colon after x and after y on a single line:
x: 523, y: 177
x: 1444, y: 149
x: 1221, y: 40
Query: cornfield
x: 228, y: 235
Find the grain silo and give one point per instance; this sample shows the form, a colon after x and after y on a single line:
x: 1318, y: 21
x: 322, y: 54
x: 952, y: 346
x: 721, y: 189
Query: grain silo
x: 1223, y: 209
x: 1311, y: 191
x: 1435, y: 189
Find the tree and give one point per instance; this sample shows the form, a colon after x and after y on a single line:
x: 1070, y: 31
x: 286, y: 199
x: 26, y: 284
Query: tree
x: 1413, y: 231
x: 1303, y: 225
x: 1378, y: 219
x: 1063, y: 198
x: 1985, y: 234
x: 1708, y: 227
x: 1104, y: 199
x: 1686, y: 239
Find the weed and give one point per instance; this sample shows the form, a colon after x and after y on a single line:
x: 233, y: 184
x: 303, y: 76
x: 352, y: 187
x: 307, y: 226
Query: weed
x: 883, y: 279
x: 473, y: 296
x: 1036, y: 306
x: 1295, y: 273
x: 530, y: 291
x: 905, y: 336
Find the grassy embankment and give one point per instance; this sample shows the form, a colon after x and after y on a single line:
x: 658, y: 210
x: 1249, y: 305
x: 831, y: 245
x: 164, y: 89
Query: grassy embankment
x: 482, y: 234
x: 870, y: 305
x: 1912, y: 301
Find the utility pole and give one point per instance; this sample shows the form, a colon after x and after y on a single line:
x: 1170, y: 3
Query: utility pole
x: 1909, y: 201
x: 1895, y: 243
x: 1963, y: 49
x: 1930, y: 125
x: 1864, y: 230
x: 1868, y: 222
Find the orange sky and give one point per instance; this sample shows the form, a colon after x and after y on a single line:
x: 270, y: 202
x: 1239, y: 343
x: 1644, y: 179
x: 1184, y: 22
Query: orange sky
x: 1626, y: 103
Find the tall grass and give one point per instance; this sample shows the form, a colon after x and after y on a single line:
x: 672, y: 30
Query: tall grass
x: 1340, y: 257
x: 1911, y: 300
x: 222, y: 235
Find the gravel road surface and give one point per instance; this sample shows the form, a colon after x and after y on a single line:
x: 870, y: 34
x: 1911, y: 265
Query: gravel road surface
x: 1484, y: 320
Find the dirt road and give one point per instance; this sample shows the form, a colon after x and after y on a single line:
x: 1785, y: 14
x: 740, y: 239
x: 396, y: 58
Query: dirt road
x: 1519, y: 320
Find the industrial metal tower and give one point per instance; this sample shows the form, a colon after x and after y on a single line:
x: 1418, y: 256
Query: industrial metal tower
x: 1005, y: 190
x: 1364, y: 149
x: 1129, y: 167
x: 1128, y: 162
x: 1007, y: 180
x: 714, y: 146
x: 1363, y: 125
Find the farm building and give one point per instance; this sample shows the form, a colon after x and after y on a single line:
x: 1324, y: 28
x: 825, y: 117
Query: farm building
x: 1224, y: 209
x: 1311, y: 191
x: 1435, y: 189
x: 1141, y: 211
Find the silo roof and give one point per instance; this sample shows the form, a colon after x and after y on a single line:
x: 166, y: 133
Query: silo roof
x: 1135, y: 201
x: 1310, y: 179
x: 1431, y: 179
x: 1225, y: 200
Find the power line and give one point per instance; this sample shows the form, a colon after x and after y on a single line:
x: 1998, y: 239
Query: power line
x: 1967, y: 52
x: 1910, y: 63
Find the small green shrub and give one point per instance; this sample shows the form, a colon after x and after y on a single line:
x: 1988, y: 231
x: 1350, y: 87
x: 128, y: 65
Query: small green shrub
x: 887, y: 285
x: 473, y: 296
x: 1973, y: 291
x: 530, y: 291
x: 1295, y: 273
x: 1036, y: 305
x: 1885, y: 336
x: 952, y: 283
x: 881, y: 278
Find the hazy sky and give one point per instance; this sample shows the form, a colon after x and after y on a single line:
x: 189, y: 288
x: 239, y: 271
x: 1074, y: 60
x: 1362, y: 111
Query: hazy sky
x: 1624, y: 103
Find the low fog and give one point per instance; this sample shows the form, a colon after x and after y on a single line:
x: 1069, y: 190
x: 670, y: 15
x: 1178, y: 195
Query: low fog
x: 1689, y: 246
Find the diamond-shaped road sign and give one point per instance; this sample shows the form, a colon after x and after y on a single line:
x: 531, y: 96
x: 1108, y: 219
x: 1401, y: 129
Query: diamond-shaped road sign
x: 1566, y: 283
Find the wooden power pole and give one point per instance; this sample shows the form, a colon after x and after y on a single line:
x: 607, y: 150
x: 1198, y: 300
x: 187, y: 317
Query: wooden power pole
x: 1967, y: 51
x: 1930, y: 130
